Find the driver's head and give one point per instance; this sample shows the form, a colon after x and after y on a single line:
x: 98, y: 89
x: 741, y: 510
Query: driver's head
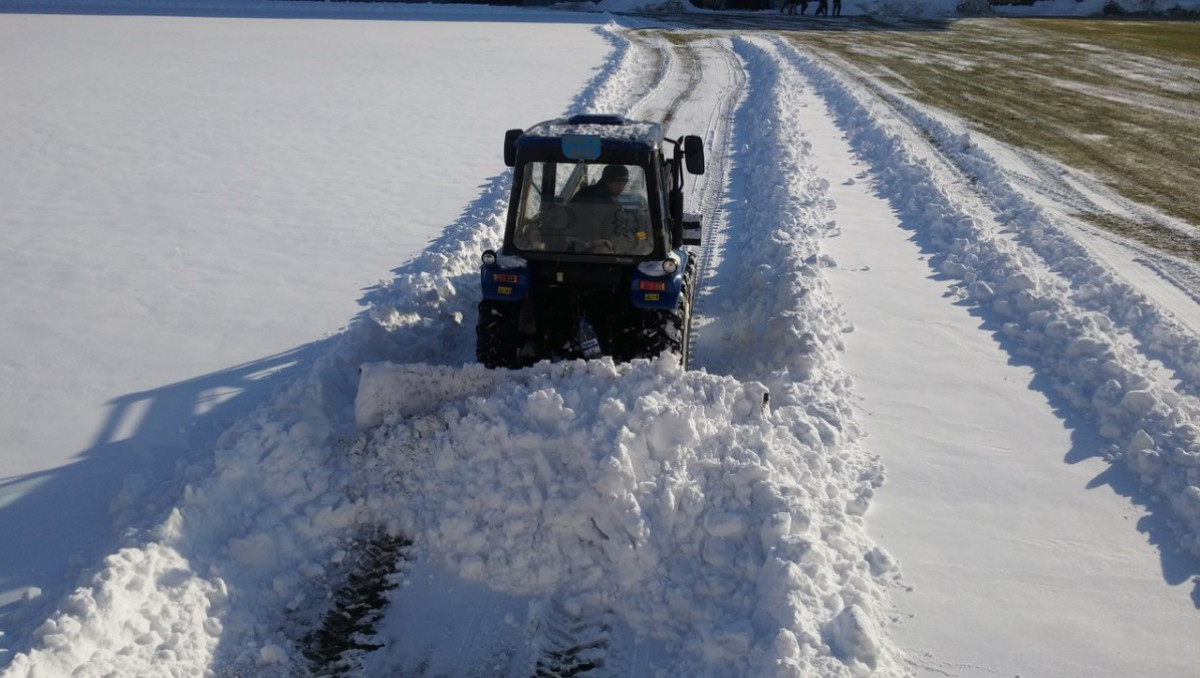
x: 615, y: 177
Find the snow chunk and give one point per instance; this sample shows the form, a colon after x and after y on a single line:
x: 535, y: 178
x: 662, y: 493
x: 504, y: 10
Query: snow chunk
x: 1139, y: 403
x: 725, y: 525
x: 881, y: 562
x: 853, y: 636
x: 271, y: 654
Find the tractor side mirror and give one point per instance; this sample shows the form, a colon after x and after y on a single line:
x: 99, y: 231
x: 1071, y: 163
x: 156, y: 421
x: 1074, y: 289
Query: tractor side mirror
x: 510, y: 146
x: 693, y: 154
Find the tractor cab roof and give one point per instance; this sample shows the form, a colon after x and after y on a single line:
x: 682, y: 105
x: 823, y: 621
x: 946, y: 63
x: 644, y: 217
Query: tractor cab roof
x: 614, y: 132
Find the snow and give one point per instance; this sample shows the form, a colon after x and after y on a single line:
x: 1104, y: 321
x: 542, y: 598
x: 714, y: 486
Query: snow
x: 674, y: 499
x: 197, y: 210
x: 973, y: 401
x: 1012, y: 515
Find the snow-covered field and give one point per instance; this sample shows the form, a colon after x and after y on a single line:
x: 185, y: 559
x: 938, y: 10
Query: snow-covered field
x: 977, y: 458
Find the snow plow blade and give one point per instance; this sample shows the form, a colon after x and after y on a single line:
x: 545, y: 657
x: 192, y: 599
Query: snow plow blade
x: 397, y: 390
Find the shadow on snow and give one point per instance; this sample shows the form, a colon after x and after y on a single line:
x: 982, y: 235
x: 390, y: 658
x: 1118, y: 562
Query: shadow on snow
x: 151, y: 444
x: 1086, y: 440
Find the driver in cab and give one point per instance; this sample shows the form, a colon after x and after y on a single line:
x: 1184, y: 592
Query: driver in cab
x: 601, y: 216
x: 612, y: 182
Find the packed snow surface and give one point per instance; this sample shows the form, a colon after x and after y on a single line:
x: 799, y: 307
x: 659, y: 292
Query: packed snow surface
x: 709, y: 519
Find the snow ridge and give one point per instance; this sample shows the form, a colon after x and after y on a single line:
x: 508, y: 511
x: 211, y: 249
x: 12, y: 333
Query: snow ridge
x: 1040, y: 315
x: 787, y: 310
x: 1095, y: 288
x: 624, y: 79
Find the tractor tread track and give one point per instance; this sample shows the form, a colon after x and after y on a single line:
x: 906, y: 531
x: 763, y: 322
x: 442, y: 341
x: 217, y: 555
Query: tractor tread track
x: 346, y: 631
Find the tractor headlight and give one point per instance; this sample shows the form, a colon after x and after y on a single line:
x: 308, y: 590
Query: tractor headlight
x: 489, y: 257
x: 670, y: 265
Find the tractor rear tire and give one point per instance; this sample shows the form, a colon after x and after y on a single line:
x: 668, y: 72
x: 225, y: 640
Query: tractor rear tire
x: 497, y: 338
x: 670, y: 330
x: 665, y: 331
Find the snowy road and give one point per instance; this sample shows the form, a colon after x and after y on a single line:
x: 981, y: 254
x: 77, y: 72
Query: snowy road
x: 921, y: 308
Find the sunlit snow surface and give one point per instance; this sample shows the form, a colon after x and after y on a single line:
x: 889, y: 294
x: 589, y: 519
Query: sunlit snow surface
x: 684, y: 504
x: 696, y: 520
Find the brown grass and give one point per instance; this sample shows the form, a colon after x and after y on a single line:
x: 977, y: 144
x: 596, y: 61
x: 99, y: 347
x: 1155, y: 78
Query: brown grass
x: 1117, y: 98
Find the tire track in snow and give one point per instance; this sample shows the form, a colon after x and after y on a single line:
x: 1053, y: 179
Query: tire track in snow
x: 569, y: 645
x: 1075, y: 193
x: 719, y: 65
x: 333, y: 649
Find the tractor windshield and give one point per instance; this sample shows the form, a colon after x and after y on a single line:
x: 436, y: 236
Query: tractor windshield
x: 583, y: 208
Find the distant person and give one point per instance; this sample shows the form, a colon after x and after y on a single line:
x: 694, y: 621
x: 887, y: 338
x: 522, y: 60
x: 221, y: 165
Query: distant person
x: 789, y: 6
x: 822, y: 8
x: 837, y: 7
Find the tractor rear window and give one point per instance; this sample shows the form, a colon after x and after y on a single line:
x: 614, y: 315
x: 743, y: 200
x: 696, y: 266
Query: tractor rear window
x: 583, y: 208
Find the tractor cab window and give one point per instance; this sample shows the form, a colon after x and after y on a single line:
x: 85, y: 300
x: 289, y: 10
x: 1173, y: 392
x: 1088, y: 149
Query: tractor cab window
x: 584, y: 208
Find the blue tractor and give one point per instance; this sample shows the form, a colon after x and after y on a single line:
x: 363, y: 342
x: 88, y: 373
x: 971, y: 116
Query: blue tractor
x: 597, y: 256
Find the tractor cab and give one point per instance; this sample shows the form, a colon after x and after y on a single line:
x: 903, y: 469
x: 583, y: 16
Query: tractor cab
x: 594, y: 258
